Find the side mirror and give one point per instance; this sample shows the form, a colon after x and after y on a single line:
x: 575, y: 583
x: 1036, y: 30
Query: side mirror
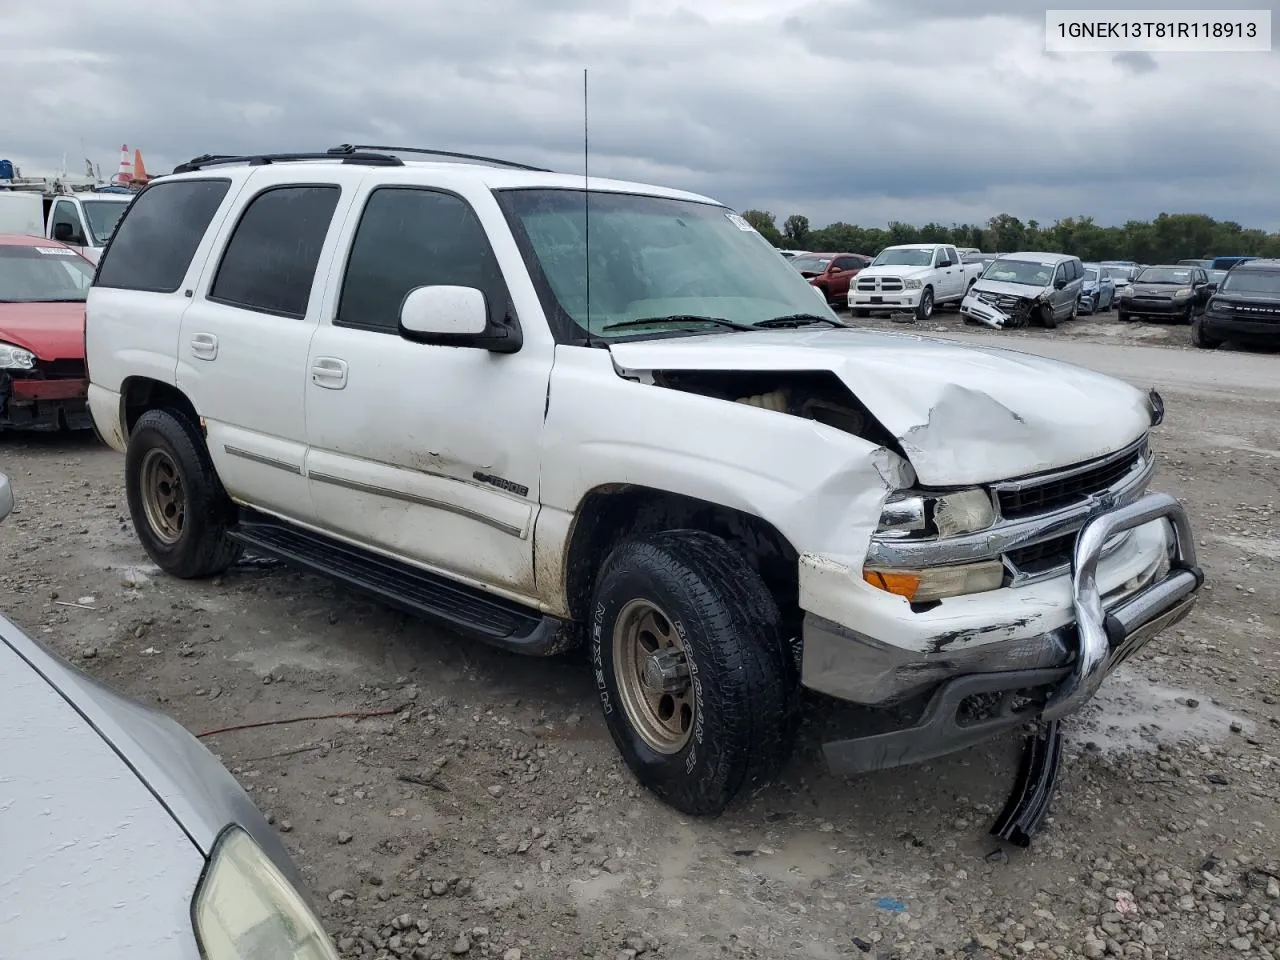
x: 6, y: 497
x: 63, y: 232
x: 1211, y: 287
x: 450, y: 316
x: 1059, y: 284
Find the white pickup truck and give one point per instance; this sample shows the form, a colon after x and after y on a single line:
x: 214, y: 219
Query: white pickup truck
x: 396, y: 374
x: 80, y: 220
x: 913, y: 277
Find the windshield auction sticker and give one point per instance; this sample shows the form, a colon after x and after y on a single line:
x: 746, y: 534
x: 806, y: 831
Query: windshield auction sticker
x: 1157, y: 31
x: 56, y: 252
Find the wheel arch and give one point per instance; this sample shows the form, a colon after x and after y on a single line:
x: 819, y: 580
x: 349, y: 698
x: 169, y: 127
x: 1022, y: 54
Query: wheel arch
x: 609, y: 514
x: 140, y: 394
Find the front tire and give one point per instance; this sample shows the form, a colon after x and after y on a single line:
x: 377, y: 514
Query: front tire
x: 180, y: 511
x: 1124, y: 317
x: 924, y: 309
x: 1200, y: 338
x: 698, y: 688
x: 1047, y: 319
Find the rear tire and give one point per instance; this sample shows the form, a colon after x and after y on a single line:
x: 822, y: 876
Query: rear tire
x: 700, y: 604
x: 862, y: 314
x: 180, y: 511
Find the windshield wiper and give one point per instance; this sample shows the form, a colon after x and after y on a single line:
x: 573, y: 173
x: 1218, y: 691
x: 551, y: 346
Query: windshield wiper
x: 685, y: 318
x: 798, y: 320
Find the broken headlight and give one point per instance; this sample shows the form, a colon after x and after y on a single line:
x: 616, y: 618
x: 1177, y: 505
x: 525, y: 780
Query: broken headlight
x: 941, y: 515
x: 15, y: 358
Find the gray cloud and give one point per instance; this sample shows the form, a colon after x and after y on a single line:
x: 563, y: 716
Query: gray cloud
x: 1138, y: 61
x: 868, y: 111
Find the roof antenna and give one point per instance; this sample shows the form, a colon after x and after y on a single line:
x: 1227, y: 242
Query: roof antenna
x: 586, y: 202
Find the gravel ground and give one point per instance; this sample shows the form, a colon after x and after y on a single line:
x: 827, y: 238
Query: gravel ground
x: 489, y: 816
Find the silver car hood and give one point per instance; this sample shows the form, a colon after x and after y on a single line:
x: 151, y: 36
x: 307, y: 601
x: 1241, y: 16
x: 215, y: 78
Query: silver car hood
x: 196, y: 789
x: 91, y: 864
x: 1005, y: 288
x: 963, y: 414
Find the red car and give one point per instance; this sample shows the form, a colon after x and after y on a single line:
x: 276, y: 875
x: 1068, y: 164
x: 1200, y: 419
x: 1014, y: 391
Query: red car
x: 43, y: 284
x: 831, y: 273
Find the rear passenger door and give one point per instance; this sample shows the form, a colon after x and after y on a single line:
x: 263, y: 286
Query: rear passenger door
x: 242, y: 353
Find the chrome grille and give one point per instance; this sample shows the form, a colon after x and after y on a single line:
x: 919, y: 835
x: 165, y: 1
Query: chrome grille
x: 1063, y: 488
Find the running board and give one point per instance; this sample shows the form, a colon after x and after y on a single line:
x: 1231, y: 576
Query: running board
x: 479, y: 615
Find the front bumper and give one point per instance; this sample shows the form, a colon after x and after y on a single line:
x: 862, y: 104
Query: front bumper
x: 1262, y: 332
x: 889, y: 300
x: 1145, y: 307
x: 1112, y: 605
x: 44, y: 405
x: 1010, y: 312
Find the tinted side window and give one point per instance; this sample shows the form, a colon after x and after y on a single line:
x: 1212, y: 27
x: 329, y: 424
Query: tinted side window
x: 152, y: 247
x: 408, y: 238
x: 270, y: 261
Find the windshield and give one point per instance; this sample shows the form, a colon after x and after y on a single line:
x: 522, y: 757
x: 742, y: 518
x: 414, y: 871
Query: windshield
x: 904, y: 257
x: 810, y: 264
x: 1091, y: 274
x: 1164, y: 275
x: 1032, y: 273
x: 1260, y: 282
x: 651, y: 257
x: 103, y: 215
x: 1216, y: 276
x: 35, y: 274
x: 1123, y: 274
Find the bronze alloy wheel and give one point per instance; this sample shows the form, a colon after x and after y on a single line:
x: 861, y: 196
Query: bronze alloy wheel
x: 164, y: 499
x: 652, y: 671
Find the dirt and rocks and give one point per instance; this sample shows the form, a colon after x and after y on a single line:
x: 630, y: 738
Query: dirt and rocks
x: 484, y: 812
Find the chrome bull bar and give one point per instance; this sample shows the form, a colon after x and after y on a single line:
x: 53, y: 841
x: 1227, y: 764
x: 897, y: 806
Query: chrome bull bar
x: 1108, y: 637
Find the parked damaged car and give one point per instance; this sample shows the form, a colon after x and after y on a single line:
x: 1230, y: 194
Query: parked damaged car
x: 1166, y: 292
x: 690, y: 465
x: 43, y: 284
x: 1019, y: 289
x: 124, y: 837
x: 1098, y: 293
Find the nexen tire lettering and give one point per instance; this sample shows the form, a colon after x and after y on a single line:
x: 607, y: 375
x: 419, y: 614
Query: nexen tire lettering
x: 597, y: 657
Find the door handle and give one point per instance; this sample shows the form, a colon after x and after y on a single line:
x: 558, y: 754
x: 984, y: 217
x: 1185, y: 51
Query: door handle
x: 329, y: 372
x: 204, y: 346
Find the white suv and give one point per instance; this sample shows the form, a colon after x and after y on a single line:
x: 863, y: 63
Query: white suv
x: 403, y: 374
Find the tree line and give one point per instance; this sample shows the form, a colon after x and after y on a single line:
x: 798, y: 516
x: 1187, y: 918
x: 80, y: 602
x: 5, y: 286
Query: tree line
x: 1168, y: 238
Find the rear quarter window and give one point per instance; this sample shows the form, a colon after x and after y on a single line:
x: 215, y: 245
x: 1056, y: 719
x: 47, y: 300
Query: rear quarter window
x: 154, y: 242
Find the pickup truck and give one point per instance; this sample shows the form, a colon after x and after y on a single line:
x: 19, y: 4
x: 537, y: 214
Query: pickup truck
x: 913, y: 277
x: 402, y: 376
x: 83, y: 221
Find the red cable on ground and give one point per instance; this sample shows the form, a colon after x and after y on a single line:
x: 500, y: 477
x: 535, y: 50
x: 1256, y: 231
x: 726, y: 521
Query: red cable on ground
x: 357, y: 714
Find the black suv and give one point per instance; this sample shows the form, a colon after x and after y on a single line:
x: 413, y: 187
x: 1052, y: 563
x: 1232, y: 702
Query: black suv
x: 1246, y: 307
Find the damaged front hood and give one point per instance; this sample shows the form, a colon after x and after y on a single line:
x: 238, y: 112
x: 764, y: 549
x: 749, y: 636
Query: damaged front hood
x: 963, y: 414
x: 1006, y: 289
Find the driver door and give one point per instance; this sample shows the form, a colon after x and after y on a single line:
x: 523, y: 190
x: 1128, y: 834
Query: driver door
x: 430, y: 453
x: 950, y: 274
x: 67, y: 226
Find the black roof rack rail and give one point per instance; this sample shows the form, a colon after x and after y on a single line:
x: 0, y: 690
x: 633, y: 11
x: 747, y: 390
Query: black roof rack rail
x: 348, y: 149
x: 261, y: 159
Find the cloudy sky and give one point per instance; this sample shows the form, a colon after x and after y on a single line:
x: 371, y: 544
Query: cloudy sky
x: 857, y: 110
